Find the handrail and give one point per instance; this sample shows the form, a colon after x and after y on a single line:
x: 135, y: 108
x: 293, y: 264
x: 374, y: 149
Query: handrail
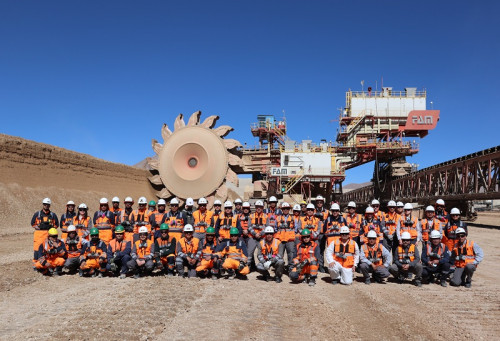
x: 388, y: 93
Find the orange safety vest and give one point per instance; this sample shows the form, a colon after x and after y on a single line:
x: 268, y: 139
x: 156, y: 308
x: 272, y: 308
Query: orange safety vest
x: 202, y: 220
x: 103, y: 223
x: 442, y: 217
x: 176, y: 225
x: 143, y: 249
x: 344, y: 254
x: 244, y: 219
x: 51, y: 218
x: 305, y: 251
x: 209, y: 249
x: 373, y: 253
x: 270, y: 250
x: 93, y: 248
x: 402, y: 254
x: 464, y: 254
x: 140, y: 217
x: 434, y: 255
x: 158, y: 218
x: 410, y: 226
x: 228, y: 222
x: 325, y: 213
x: 354, y: 223
x: 310, y: 223
x: 286, y: 230
x: 379, y: 215
x: 66, y: 221
x: 47, y: 247
x: 233, y: 251
x: 391, y: 222
x: 73, y: 247
x: 82, y: 226
x: 117, y: 246
x: 373, y: 225
x: 189, y: 248
x: 428, y: 227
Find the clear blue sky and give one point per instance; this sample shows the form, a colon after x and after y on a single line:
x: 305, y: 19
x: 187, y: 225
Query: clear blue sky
x: 100, y: 77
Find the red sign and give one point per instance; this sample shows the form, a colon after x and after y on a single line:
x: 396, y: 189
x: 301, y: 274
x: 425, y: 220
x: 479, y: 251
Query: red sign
x: 421, y: 120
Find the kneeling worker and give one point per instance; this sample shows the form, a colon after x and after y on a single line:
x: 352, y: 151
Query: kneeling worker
x: 209, y: 260
x: 407, y: 260
x: 269, y: 255
x: 164, y: 251
x: 306, y: 262
x: 466, y: 255
x: 74, y: 248
x: 435, y: 259
x: 119, y: 253
x: 188, y: 252
x: 342, y: 256
x: 93, y: 257
x: 374, y: 258
x: 235, y: 254
x: 142, y: 254
x: 51, y: 253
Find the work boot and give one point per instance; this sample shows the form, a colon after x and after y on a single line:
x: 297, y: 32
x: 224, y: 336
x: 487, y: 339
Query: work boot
x: 322, y: 269
x: 418, y: 283
x: 431, y: 279
x: 367, y: 281
x: 137, y: 275
x: 278, y: 279
x: 214, y: 277
x: 443, y: 283
x: 123, y: 276
x: 401, y: 279
x: 80, y: 273
x: 50, y: 271
x: 312, y: 282
x: 335, y: 281
x: 467, y: 284
x: 267, y: 276
x: 231, y: 274
x: 99, y: 275
x: 409, y: 275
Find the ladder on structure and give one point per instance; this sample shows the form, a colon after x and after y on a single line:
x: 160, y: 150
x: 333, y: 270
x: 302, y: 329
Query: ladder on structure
x: 294, y: 180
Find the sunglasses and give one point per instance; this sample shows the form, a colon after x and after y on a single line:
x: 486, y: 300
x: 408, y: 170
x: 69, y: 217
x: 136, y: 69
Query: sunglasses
x: 461, y: 235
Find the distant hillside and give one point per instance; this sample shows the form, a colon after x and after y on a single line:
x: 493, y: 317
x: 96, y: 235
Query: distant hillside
x: 353, y: 186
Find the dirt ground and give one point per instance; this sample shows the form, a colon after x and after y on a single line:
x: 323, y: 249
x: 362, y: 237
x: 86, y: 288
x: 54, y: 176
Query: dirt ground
x: 158, y: 308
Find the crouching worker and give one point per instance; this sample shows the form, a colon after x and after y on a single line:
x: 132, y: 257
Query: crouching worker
x: 210, y: 262
x: 93, y: 257
x: 342, y: 256
x: 50, y: 256
x: 142, y: 254
x: 235, y: 254
x: 435, y: 259
x: 407, y: 261
x: 164, y: 251
x: 73, y: 245
x: 188, y: 252
x: 269, y: 256
x: 305, y: 264
x: 374, y: 258
x: 466, y: 256
x: 119, y: 253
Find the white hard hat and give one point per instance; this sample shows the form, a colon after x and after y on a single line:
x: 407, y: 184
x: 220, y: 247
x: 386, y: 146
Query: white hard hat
x: 344, y: 229
x: 435, y: 234
x: 268, y: 229
x: 161, y: 202
x: 375, y: 202
x: 455, y: 210
x: 128, y: 199
x: 259, y: 203
x: 460, y: 230
x: 391, y: 203
x: 103, y: 201
x: 285, y: 205
x: 310, y: 206
x: 228, y: 204
x: 188, y: 228
x: 371, y: 234
x: 429, y: 209
x: 319, y: 197
x: 71, y: 228
x: 246, y: 204
x: 47, y: 201
x: 143, y: 229
x: 335, y: 207
x: 405, y: 236
x: 174, y: 201
x: 217, y: 202
x: 82, y: 205
x: 440, y: 202
x: 400, y: 204
x: 369, y: 209
x: 142, y: 200
x: 202, y: 201
x: 351, y: 204
x: 296, y: 207
x: 115, y: 199
x: 71, y: 202
x: 238, y: 201
x: 189, y: 202
x: 408, y: 206
x: 273, y: 199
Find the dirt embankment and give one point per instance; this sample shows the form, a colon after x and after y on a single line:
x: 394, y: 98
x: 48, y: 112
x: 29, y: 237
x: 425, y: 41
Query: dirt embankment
x: 31, y: 171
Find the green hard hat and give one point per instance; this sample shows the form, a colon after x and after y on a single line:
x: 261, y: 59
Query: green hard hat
x: 164, y: 227
x: 305, y: 232
x: 210, y: 230
x: 152, y: 203
x: 94, y: 231
x: 234, y: 231
x: 119, y: 229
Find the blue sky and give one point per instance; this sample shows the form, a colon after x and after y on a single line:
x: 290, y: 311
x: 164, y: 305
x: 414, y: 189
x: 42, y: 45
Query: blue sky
x: 101, y: 77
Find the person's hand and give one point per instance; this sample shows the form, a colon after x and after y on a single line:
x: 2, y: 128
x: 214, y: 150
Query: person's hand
x: 406, y: 267
x: 331, y: 265
x: 141, y: 262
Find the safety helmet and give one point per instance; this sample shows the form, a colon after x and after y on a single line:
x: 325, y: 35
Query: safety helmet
x: 296, y: 207
x: 455, y: 210
x: 71, y: 202
x: 119, y: 229
x: 335, y: 207
x: 440, y: 202
x: 174, y: 201
x: 310, y: 206
x: 371, y: 234
x: 234, y: 231
x: 405, y: 236
x: 273, y: 199
x: 320, y: 198
x: 375, y: 202
x: 162, y: 202
x: 202, y: 201
x: 152, y: 203
x: 47, y: 201
x: 71, y: 228
x: 430, y: 209
x: 217, y: 202
x: 83, y: 206
x: 369, y: 209
x: 94, y: 231
x: 143, y: 229
x: 210, y: 230
x: 351, y: 204
x: 391, y: 203
x: 285, y: 205
x: 103, y: 201
x: 142, y: 200
x: 128, y: 199
x: 435, y: 234
x: 269, y: 229
x: 228, y: 204
x: 115, y: 199
x: 303, y: 202
x: 344, y: 229
x: 305, y: 232
x: 164, y: 227
x: 188, y: 228
x: 460, y: 230
x: 238, y: 201
x: 400, y: 204
x: 259, y: 203
x: 408, y: 206
x: 53, y: 232
x: 246, y: 204
x: 189, y: 202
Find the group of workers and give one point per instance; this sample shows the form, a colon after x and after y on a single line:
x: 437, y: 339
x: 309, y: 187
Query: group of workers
x: 232, y: 241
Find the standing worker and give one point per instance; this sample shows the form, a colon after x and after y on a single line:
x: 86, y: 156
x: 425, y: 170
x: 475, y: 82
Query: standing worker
x: 124, y: 219
x: 430, y: 223
x: 333, y: 224
x: 202, y: 218
x: 450, y: 229
x: 441, y: 213
x: 83, y: 222
x: 286, y: 233
x: 140, y: 217
x: 409, y: 223
x: 67, y: 218
x: 391, y: 221
x: 466, y: 256
x: 157, y: 217
x: 342, y: 256
x: 257, y: 224
x: 225, y: 222
x: 353, y: 220
x: 116, y: 210
x: 188, y: 211
x: 41, y: 222
x: 104, y: 221
x: 175, y: 220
